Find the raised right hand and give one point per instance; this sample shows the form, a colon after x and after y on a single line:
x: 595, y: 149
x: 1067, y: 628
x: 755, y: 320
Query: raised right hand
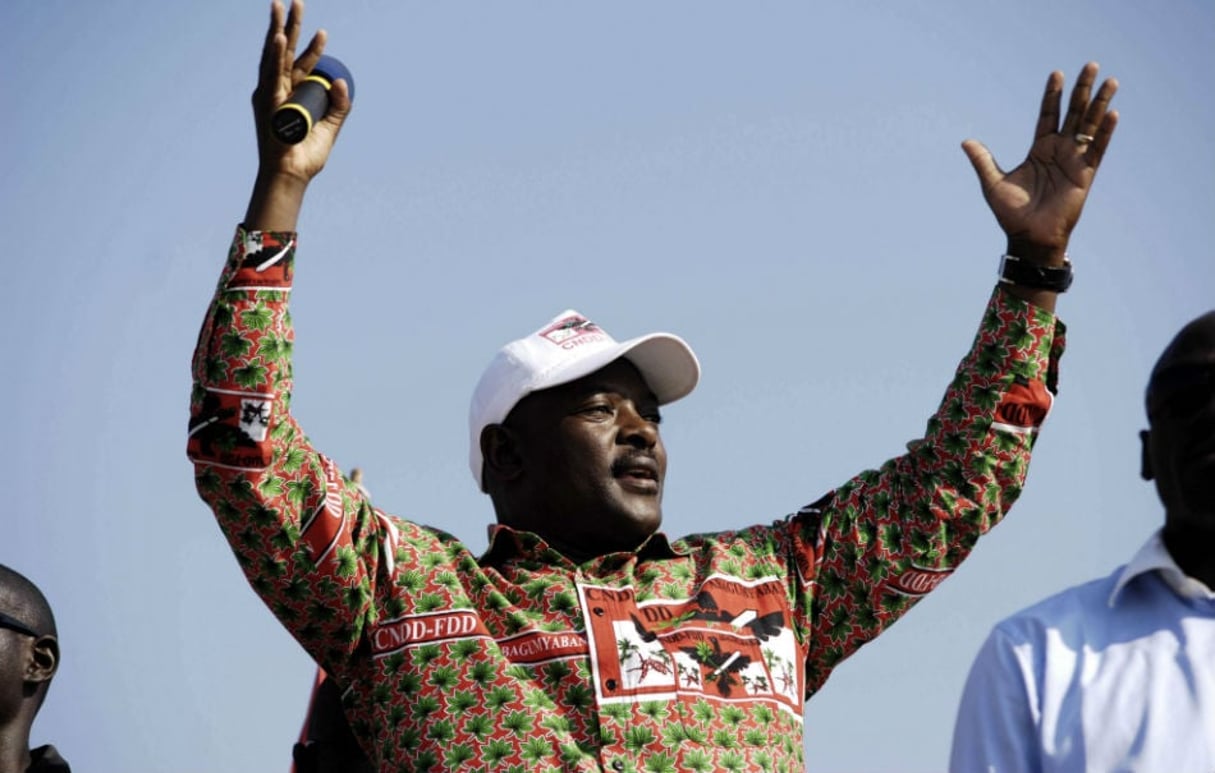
x: 284, y: 171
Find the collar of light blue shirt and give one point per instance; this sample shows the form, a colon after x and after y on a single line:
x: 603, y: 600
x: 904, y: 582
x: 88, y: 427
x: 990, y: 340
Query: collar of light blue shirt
x: 1154, y: 557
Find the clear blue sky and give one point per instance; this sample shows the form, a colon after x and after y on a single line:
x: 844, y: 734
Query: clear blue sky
x: 780, y: 183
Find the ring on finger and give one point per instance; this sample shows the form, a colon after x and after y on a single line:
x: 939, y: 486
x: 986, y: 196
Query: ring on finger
x: 1082, y: 139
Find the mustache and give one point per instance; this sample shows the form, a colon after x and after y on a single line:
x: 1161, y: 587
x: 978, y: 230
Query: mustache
x: 636, y: 460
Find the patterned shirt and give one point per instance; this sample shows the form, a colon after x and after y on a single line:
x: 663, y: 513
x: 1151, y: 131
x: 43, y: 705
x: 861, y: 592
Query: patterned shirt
x: 693, y: 654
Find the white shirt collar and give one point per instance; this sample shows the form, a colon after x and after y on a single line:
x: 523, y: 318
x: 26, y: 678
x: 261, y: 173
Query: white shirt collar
x: 1154, y: 556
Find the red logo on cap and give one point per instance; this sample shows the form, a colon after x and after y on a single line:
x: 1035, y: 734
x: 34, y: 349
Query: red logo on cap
x: 563, y: 331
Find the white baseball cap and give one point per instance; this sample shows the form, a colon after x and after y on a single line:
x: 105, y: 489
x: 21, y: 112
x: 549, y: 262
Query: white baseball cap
x: 568, y: 348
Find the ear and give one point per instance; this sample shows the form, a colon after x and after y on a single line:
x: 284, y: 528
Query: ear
x: 500, y: 450
x: 44, y: 660
x: 1145, y: 461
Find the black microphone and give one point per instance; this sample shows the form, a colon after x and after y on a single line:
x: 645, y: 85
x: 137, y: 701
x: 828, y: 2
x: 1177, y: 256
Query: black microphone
x: 310, y: 101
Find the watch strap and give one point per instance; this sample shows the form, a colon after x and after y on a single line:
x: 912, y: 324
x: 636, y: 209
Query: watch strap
x: 1026, y: 273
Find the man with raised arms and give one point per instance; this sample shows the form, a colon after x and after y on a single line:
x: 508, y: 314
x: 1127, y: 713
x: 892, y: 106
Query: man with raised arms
x: 585, y: 639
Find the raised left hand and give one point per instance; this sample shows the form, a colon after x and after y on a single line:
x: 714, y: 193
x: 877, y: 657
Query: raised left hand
x: 1038, y: 203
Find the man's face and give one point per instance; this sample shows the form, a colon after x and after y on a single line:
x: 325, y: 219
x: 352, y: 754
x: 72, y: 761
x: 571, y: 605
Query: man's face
x: 1181, y: 411
x: 593, y: 461
x: 14, y: 646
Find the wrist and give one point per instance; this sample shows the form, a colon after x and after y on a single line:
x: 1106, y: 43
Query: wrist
x: 275, y: 202
x: 281, y: 182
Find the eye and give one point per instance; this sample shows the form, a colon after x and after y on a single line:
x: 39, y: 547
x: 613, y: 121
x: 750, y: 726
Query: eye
x: 597, y: 409
x: 653, y: 417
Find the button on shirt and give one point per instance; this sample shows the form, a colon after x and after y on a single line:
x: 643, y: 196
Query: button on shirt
x: 1117, y: 674
x: 689, y: 654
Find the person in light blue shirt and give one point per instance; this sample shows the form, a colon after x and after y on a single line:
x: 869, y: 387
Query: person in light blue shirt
x: 1118, y: 674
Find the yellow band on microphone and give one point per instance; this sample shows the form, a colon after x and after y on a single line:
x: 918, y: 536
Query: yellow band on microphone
x: 328, y: 84
x: 299, y: 109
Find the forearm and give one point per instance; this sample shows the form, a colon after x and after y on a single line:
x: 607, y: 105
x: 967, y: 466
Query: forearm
x: 972, y: 462
x: 291, y: 518
x: 892, y: 535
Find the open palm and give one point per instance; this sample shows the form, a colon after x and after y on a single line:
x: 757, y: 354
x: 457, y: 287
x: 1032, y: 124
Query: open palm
x: 1038, y: 203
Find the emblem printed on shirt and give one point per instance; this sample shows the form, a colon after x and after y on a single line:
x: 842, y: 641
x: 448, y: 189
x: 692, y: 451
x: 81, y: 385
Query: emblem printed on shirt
x: 731, y: 642
x: 573, y: 331
x: 917, y: 581
x: 230, y: 430
x: 264, y: 265
x: 255, y: 418
x: 324, y: 532
x: 1024, y: 407
x: 430, y: 628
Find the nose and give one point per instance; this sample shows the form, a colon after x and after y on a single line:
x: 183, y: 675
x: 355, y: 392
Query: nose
x: 635, y: 429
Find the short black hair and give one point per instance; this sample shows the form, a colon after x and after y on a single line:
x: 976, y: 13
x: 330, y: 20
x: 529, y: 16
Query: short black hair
x: 1198, y: 333
x: 21, y: 598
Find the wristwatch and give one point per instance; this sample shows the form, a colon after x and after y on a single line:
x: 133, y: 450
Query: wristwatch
x: 1024, y: 273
